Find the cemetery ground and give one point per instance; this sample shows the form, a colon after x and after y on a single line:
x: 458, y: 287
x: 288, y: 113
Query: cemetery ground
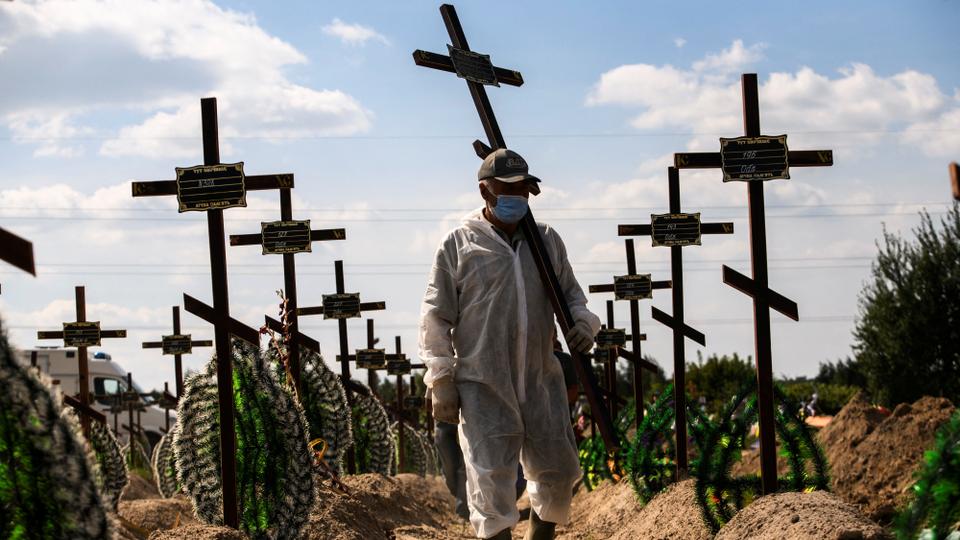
x: 873, y: 456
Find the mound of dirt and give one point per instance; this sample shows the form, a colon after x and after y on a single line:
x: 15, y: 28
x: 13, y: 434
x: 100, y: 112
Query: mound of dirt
x: 801, y: 516
x: 613, y: 511
x: 139, y: 487
x: 857, y: 420
x: 385, y: 507
x: 874, y: 468
x: 147, y: 515
x: 199, y: 532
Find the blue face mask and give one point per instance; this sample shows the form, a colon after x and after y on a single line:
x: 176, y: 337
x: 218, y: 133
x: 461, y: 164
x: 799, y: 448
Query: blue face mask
x: 510, y: 209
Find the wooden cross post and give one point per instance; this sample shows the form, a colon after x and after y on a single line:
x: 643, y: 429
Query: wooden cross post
x: 370, y: 359
x: 478, y: 71
x: 82, y: 334
x: 211, y: 188
x: 342, y: 306
x: 677, y: 230
x: 17, y: 251
x: 608, y: 344
x: 955, y: 180
x: 755, y: 158
x: 399, y: 365
x: 288, y: 237
x: 633, y: 287
x: 177, y: 345
x: 167, y: 401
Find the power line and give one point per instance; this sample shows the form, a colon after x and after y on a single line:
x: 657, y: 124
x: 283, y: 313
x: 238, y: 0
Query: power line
x: 411, y: 220
x: 428, y: 136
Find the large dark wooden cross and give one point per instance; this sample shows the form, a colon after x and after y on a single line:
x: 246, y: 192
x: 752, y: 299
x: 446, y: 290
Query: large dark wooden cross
x: 177, y: 345
x: 16, y: 251
x: 677, y: 230
x: 478, y: 71
x: 288, y: 237
x: 211, y: 188
x: 342, y: 306
x: 82, y: 334
x: 632, y: 287
x: 399, y: 365
x: 755, y: 158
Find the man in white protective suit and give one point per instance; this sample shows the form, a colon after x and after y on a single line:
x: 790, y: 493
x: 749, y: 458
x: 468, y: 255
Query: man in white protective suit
x: 486, y: 336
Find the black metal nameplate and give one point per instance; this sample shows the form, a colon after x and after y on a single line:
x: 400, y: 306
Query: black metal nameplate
x: 131, y: 398
x: 177, y: 344
x: 211, y: 187
x: 413, y: 402
x: 633, y: 287
x: 473, y: 66
x: 398, y: 367
x: 675, y: 229
x: 285, y: 236
x: 754, y: 158
x: 341, y: 306
x: 371, y: 359
x: 81, y: 334
x: 609, y: 338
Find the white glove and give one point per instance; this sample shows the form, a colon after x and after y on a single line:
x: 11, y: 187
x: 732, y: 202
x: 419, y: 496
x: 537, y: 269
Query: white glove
x: 446, y: 400
x: 580, y: 337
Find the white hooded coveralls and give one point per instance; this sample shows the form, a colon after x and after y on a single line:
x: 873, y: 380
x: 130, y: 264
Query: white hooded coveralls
x: 487, y: 321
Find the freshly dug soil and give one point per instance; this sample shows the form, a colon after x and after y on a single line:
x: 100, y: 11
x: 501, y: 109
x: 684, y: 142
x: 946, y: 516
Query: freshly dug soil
x: 382, y: 507
x: 801, y: 516
x: 139, y: 488
x: 156, y: 514
x: 874, y: 468
x: 199, y: 532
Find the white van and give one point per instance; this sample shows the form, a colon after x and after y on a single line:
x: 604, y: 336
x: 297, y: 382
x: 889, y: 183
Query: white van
x: 106, y: 378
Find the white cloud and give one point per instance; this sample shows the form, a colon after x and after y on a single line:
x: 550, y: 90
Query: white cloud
x: 119, y: 67
x: 353, y: 34
x: 705, y: 99
x: 679, y: 42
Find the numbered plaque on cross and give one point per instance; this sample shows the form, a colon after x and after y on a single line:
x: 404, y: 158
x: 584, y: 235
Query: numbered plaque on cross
x: 287, y: 237
x: 739, y: 162
x: 342, y: 306
x: 632, y: 287
x: 677, y: 230
x: 476, y: 70
x: 371, y: 358
x: 81, y: 334
x: 177, y: 345
x: 211, y: 188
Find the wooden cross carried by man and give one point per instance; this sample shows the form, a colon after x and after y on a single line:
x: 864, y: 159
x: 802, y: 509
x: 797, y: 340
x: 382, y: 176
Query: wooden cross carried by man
x: 477, y: 70
x: 754, y: 159
x: 677, y: 230
x: 16, y: 251
x: 211, y: 188
x: 82, y: 334
x: 177, y: 345
x: 288, y: 237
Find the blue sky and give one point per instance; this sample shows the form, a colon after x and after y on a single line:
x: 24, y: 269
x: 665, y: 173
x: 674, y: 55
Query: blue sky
x: 97, y: 94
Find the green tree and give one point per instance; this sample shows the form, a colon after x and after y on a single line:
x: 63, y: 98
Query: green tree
x: 907, y: 334
x: 718, y: 378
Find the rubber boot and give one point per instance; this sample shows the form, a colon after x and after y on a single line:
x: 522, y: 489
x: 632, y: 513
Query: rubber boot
x: 539, y: 529
x: 502, y: 535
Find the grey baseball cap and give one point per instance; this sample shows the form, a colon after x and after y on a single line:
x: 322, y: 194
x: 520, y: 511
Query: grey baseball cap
x: 507, y: 166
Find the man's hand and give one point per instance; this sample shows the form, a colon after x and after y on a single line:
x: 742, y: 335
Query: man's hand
x: 446, y: 400
x: 580, y: 337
